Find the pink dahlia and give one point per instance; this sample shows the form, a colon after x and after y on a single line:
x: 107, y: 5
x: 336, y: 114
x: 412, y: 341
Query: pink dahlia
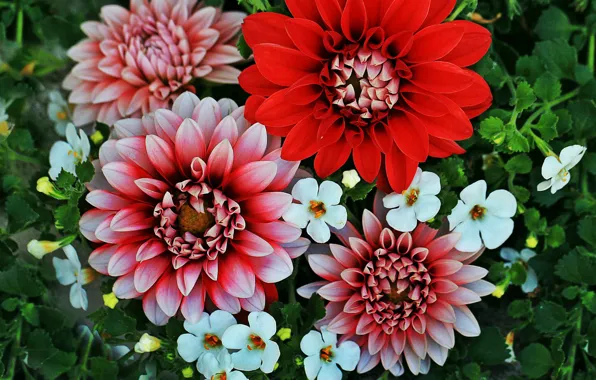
x: 187, y: 206
x: 398, y: 294
x: 140, y: 60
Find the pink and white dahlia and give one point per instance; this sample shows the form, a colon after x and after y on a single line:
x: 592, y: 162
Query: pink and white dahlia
x: 398, y: 294
x: 140, y: 60
x: 187, y: 206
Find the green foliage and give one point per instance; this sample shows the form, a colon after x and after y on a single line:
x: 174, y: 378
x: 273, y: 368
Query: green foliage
x: 536, y: 360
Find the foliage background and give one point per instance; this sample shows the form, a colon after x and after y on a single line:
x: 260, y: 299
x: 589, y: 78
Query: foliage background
x: 541, y: 70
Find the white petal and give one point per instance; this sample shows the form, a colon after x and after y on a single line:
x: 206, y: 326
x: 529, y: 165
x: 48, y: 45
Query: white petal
x: 319, y: 231
x: 494, y: 230
x: 71, y: 135
x: 236, y: 337
x: 509, y: 254
x: 329, y: 338
x: 347, y: 355
x: 208, y: 365
x: 402, y: 219
x: 394, y: 200
x: 72, y: 256
x: 427, y: 207
x: 417, y: 177
x: 78, y: 297
x: 474, y: 194
x: 330, y: 193
x: 572, y: 155
x: 312, y: 343
x: 470, y: 236
x: 220, y: 320
x: 531, y: 281
x: 312, y: 366
x: 84, y: 146
x: 336, y: 216
x: 270, y: 356
x: 65, y: 271
x: 263, y: 324
x: 225, y: 360
x: 459, y: 214
x: 559, y: 182
x: 189, y: 347
x: 236, y: 375
x: 247, y: 360
x: 200, y: 328
x: 550, y: 167
x: 298, y: 214
x: 330, y: 371
x: 305, y: 190
x: 430, y: 184
x: 501, y: 203
x: 545, y: 185
x: 527, y: 254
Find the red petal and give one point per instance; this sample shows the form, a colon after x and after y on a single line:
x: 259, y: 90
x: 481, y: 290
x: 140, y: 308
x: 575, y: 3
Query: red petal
x: 441, y: 148
x: 454, y: 125
x: 400, y: 170
x: 330, y: 130
x: 276, y: 111
x: 305, y: 91
x: 282, y: 65
x: 301, y: 141
x: 331, y: 158
x: 305, y: 9
x: 434, y: 42
x: 473, y: 45
x: 477, y: 94
x: 410, y: 135
x: 375, y: 10
x: 252, y: 81
x: 440, y: 77
x: 367, y: 159
x: 438, y: 11
x: 308, y: 36
x: 405, y: 15
x: 354, y: 20
x: 252, y: 105
x: 330, y: 11
x: 266, y: 27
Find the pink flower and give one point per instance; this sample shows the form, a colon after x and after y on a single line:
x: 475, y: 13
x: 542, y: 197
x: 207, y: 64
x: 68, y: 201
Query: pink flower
x: 398, y: 294
x: 187, y: 206
x: 140, y: 60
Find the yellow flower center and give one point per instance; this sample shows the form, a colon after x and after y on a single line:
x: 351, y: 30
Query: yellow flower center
x: 4, y: 128
x: 411, y: 196
x: 75, y: 154
x: 211, y: 341
x: 257, y: 343
x: 326, y: 354
x: 477, y: 212
x: 317, y: 208
x: 61, y: 115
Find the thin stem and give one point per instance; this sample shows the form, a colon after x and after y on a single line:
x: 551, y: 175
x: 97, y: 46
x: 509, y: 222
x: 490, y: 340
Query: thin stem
x: 574, y: 341
x: 508, y: 79
x: 547, y: 106
x: 591, y: 52
x: 126, y: 356
x: 86, y: 356
x: 20, y: 19
x: 16, y: 346
x: 458, y: 10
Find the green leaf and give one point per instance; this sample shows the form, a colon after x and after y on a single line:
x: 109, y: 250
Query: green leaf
x: 558, y: 57
x: 52, y: 319
x: 59, y: 363
x: 65, y: 179
x: 19, y: 211
x: 472, y: 371
x: 587, y: 230
x: 31, y: 314
x: 524, y: 97
x: 360, y: 191
x: 583, y: 114
x: 556, y: 350
x: 493, y: 130
x: 10, y: 304
x: 520, y: 164
x: 20, y: 281
x: 520, y: 309
x: 591, y: 335
x: 529, y: 67
x: 117, y: 323
x: 516, y: 142
x: 553, y: 23
x: 174, y: 328
x: 21, y: 140
x: 547, y: 87
x: 243, y: 48
x: 570, y: 292
x: 547, y: 126
x: 103, y: 369
x: 549, y: 317
x: 589, y: 301
x: 555, y: 236
x: 534, y: 222
x: 489, y: 348
x: 85, y: 171
x: 518, y: 273
x: 491, y: 71
x: 39, y: 348
x: 67, y: 217
x: 578, y: 267
x: 536, y: 360
x: 521, y: 194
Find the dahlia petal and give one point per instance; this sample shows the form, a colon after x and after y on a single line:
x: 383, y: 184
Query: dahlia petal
x: 465, y: 322
x: 461, y: 296
x: 225, y: 130
x: 105, y: 200
x: 473, y: 46
x: 150, y: 249
x: 299, y: 143
x: 223, y: 74
x: 441, y: 285
x: 475, y: 95
x: 187, y: 276
x: 405, y: 15
x: 115, y: 16
x: 123, y: 261
x: 440, y: 332
x: 286, y: 170
x: 305, y: 9
x: 111, y: 92
x: 277, y: 231
x: 221, y: 298
x: 417, y: 342
x: 238, y: 278
x: 161, y: 154
x: 308, y: 37
x: 282, y: 65
x: 413, y: 360
x: 220, y: 163
x: 436, y: 352
x: 388, y: 356
x: 135, y: 218
x: 85, y: 49
x: 326, y: 267
x: 332, y: 157
x: 134, y: 151
x: 305, y: 91
x: 354, y: 20
x: 152, y: 187
x: 345, y: 256
x: 277, y: 112
x: 438, y: 11
x: 95, y: 30
x: 139, y: 100
x: 366, y: 324
x: 398, y: 341
x: 149, y: 271
x: 367, y: 361
x: 251, y: 244
x: 400, y: 170
x: 250, y: 178
x: 253, y: 82
x: 185, y: 104
x: 124, y: 287
x: 296, y: 248
x: 410, y: 135
x: 467, y: 274
x: 444, y: 267
x: 439, y: 247
x: 85, y: 114
x: 122, y: 176
x: 435, y: 42
x: 152, y: 309
x: 336, y: 291
x: 481, y: 287
x: 454, y: 125
x: 306, y: 291
x: 343, y: 323
x: 367, y: 159
x: 193, y: 305
x: 274, y: 267
x: 100, y: 257
x: 251, y: 145
x: 167, y: 294
x: 266, y: 207
x: 167, y: 124
x: 222, y: 55
x: 189, y: 143
x: 377, y: 339
x: 441, y: 148
x: 266, y: 27
x: 90, y: 221
x: 440, y: 77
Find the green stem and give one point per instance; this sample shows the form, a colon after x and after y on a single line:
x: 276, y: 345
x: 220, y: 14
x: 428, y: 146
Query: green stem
x: 14, y: 352
x: 508, y: 79
x: 12, y: 156
x: 574, y: 340
x: 126, y: 356
x: 547, y: 106
x: 458, y: 10
x: 86, y: 356
x: 20, y: 19
x: 591, y: 52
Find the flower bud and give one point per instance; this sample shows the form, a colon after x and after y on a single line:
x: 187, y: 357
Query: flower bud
x: 187, y: 372
x: 96, y: 137
x: 110, y: 300
x: 501, y: 288
x: 41, y: 248
x: 147, y: 343
x: 284, y: 333
x: 350, y: 178
x: 46, y: 187
x: 509, y: 341
x: 531, y: 240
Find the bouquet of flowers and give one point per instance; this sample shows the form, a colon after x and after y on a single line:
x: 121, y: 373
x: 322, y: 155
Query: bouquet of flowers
x: 319, y: 189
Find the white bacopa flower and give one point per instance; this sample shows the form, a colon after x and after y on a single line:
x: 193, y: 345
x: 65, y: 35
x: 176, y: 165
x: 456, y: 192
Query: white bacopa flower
x: 218, y: 367
x: 513, y: 256
x: 476, y: 215
x: 350, y: 178
x: 556, y: 169
x: 318, y: 208
x: 205, y: 336
x: 59, y: 112
x: 5, y: 125
x: 419, y: 202
x: 324, y: 355
x: 257, y: 350
x: 67, y: 154
x: 69, y: 272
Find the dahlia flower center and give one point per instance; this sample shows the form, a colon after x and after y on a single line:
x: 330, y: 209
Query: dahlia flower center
x: 326, y: 354
x: 190, y: 220
x: 211, y: 341
x: 317, y: 208
x: 396, y: 296
x: 477, y: 212
x: 363, y: 85
x: 256, y: 343
x: 411, y: 196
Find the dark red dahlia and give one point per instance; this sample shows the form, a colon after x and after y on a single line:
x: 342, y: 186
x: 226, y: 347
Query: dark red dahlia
x: 370, y: 79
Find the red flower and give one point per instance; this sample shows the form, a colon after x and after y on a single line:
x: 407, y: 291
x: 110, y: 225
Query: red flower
x: 369, y: 79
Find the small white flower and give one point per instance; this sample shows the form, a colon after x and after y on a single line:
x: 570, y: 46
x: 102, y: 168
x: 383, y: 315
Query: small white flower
x: 350, y: 178
x: 58, y: 112
x: 69, y: 272
x: 324, y: 355
x: 257, y: 350
x: 417, y: 202
x: 318, y: 208
x: 512, y: 256
x: 556, y: 169
x: 476, y: 215
x: 67, y: 154
x: 41, y: 248
x: 205, y: 335
x: 5, y: 125
x: 147, y: 343
x: 218, y: 367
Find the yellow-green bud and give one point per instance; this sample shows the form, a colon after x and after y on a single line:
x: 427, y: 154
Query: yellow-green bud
x: 46, y: 187
x: 531, y: 240
x: 276, y: 366
x: 147, y: 343
x: 187, y: 372
x: 350, y: 178
x: 41, y: 248
x: 110, y: 300
x: 96, y: 137
x: 501, y: 288
x: 299, y: 361
x: 499, y: 138
x: 284, y: 333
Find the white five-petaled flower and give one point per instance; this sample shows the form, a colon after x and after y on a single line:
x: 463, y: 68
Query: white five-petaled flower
x: 419, y: 202
x: 324, y: 355
x: 512, y: 256
x: 205, y: 336
x: 69, y: 272
x: 218, y: 367
x: 556, y: 169
x: 67, y: 154
x: 318, y: 208
x: 476, y: 215
x: 58, y: 112
x: 257, y: 350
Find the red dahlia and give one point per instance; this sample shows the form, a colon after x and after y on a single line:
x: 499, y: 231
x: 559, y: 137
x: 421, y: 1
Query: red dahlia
x: 371, y: 79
